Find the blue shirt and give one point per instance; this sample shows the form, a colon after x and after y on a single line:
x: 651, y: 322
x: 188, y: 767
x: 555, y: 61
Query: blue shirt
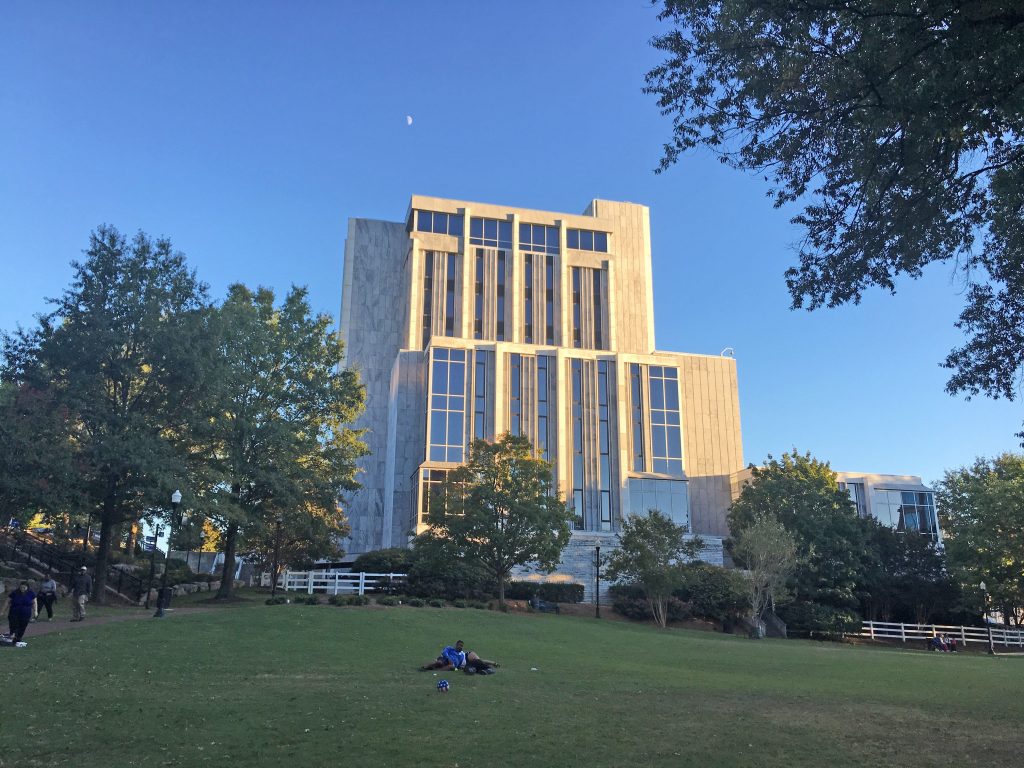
x: 458, y: 658
x: 22, y: 602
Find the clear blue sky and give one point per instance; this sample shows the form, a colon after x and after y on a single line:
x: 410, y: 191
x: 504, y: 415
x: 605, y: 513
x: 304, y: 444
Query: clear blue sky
x: 248, y: 132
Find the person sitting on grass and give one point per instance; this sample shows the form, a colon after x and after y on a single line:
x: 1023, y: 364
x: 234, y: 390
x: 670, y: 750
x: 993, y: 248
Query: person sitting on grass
x: 477, y: 666
x: 937, y: 643
x: 452, y: 657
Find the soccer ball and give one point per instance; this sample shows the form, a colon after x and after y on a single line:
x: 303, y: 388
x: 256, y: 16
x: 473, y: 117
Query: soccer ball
x: 442, y: 686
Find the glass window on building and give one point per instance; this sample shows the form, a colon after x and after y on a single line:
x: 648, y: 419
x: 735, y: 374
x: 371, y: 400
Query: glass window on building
x: 432, y: 494
x: 428, y: 294
x: 856, y: 491
x: 587, y: 240
x: 666, y: 435
x: 490, y: 233
x: 439, y: 223
x: 447, y: 405
x: 538, y: 238
x: 637, y: 417
x: 905, y: 511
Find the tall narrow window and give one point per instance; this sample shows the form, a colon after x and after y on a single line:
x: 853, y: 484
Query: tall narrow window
x: 598, y: 342
x: 549, y: 298
x: 500, y: 323
x: 637, y: 413
x: 449, y: 296
x: 603, y: 443
x: 576, y: 376
x: 528, y: 298
x: 480, y: 395
x: 515, y: 394
x: 478, y: 292
x: 447, y: 405
x: 542, y: 406
x: 577, y: 338
x: 428, y: 294
x: 666, y: 443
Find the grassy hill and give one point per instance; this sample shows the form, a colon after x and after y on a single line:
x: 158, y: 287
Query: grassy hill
x: 323, y: 686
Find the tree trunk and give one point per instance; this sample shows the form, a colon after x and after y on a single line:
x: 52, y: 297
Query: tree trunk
x: 501, y: 591
x: 227, y: 579
x: 99, y: 580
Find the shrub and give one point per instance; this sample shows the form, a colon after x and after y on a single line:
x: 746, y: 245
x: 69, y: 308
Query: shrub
x: 388, y: 600
x: 480, y: 605
x: 308, y: 600
x: 714, y: 593
x: 416, y: 602
x: 348, y: 600
x: 435, y: 572
x: 552, y: 591
x: 394, y: 560
x: 460, y: 604
x: 816, y: 620
x: 629, y: 600
x: 276, y: 600
x: 436, y: 602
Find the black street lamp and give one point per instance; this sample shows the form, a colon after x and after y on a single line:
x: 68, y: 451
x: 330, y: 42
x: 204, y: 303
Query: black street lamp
x: 161, y: 599
x: 988, y: 626
x: 597, y: 581
x: 157, y: 530
x: 277, y: 553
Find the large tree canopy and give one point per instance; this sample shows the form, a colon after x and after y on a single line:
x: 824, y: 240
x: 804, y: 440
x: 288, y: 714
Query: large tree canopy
x: 500, y: 510
x: 899, y: 127
x: 125, y: 358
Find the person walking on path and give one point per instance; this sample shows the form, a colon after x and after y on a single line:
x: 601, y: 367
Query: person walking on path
x: 81, y: 588
x: 47, y: 595
x: 21, y: 609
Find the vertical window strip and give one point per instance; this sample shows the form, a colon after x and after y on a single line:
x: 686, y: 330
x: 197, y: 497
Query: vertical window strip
x: 428, y: 294
x: 604, y: 441
x: 576, y: 377
x: 637, y: 408
x: 542, y: 407
x: 447, y: 405
x: 449, y: 296
x: 598, y: 338
x: 431, y: 491
x: 515, y: 394
x: 500, y: 322
x: 528, y: 298
x: 576, y: 308
x: 480, y: 396
x: 478, y: 289
x: 666, y: 442
x: 549, y: 298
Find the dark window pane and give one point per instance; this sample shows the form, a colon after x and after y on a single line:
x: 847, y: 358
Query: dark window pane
x: 457, y: 378
x: 574, y: 238
x: 437, y: 428
x: 505, y: 234
x: 476, y: 227
x: 601, y: 242
x: 552, y: 239
x: 671, y: 395
x: 490, y: 229
x: 455, y: 224
x: 524, y: 234
x: 586, y: 240
x: 423, y: 221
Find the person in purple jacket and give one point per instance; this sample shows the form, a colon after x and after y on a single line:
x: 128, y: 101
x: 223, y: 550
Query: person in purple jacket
x: 21, y: 609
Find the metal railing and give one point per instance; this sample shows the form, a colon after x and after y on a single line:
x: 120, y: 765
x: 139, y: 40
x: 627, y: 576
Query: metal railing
x: 888, y: 630
x: 26, y: 547
x: 335, y: 583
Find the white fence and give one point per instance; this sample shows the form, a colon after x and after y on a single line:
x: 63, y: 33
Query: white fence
x: 334, y: 583
x: 887, y: 630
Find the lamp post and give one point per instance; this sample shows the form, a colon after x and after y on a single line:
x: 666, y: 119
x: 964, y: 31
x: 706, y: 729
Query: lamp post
x: 988, y: 626
x: 597, y: 581
x: 157, y: 530
x: 277, y: 552
x: 161, y: 599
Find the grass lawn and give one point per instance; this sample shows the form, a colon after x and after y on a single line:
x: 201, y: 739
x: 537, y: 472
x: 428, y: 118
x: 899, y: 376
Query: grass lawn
x: 301, y: 686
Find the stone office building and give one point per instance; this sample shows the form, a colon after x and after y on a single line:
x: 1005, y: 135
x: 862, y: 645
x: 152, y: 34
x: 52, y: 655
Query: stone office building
x: 468, y: 320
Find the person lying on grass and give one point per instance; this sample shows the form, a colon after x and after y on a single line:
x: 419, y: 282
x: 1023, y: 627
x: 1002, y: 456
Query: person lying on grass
x: 477, y: 666
x: 452, y: 657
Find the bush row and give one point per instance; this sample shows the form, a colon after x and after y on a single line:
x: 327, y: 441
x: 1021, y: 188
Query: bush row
x: 706, y: 592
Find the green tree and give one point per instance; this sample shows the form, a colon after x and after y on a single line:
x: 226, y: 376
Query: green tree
x: 279, y: 441
x: 898, y: 125
x: 982, y: 512
x: 500, y: 510
x: 769, y: 554
x: 651, y: 553
x: 125, y: 355
x: 801, y: 492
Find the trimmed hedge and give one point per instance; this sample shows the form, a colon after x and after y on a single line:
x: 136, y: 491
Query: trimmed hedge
x: 552, y: 591
x: 394, y: 560
x: 714, y: 593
